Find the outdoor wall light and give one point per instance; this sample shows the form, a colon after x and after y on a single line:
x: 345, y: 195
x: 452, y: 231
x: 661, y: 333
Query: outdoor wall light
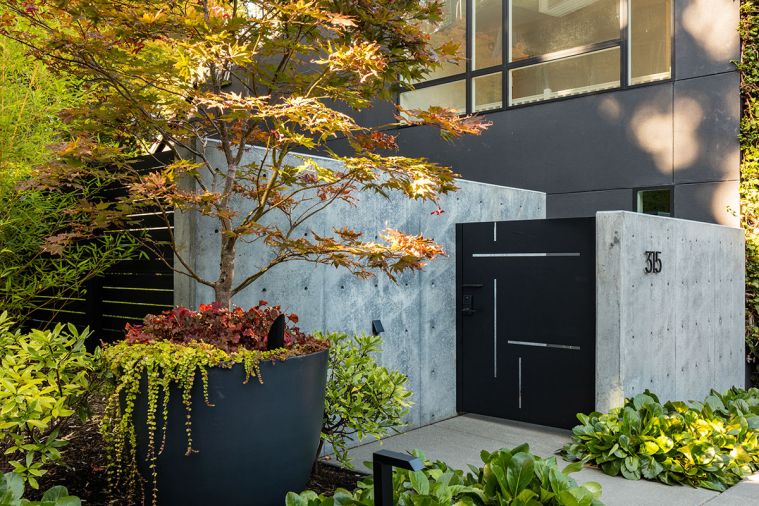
x: 377, y: 327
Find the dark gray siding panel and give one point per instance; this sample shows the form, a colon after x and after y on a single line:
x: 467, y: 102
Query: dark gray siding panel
x: 711, y: 202
x: 706, y: 37
x: 707, y: 112
x: 610, y: 140
x: 578, y: 205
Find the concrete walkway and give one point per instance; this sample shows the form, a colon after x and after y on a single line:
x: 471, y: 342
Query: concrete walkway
x: 458, y: 441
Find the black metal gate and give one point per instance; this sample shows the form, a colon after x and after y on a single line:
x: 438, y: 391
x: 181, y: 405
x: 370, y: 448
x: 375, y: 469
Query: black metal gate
x: 526, y: 325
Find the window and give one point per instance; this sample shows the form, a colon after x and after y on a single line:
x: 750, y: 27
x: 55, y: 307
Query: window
x: 550, y: 49
x: 657, y: 201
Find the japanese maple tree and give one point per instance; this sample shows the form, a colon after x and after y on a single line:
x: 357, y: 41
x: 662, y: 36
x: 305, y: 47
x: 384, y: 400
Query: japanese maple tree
x: 226, y: 75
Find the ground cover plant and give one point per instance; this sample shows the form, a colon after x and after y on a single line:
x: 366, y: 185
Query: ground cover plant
x: 363, y: 399
x: 512, y: 477
x: 712, y: 444
x: 12, y: 492
x: 46, y: 377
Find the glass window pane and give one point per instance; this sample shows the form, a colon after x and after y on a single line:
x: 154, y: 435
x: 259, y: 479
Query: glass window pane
x: 568, y: 76
x: 658, y: 202
x: 449, y: 95
x: 487, y: 26
x: 540, y: 27
x: 487, y: 92
x: 451, y: 29
x: 650, y: 40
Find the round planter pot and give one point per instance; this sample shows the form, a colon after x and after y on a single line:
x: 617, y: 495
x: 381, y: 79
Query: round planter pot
x: 256, y: 443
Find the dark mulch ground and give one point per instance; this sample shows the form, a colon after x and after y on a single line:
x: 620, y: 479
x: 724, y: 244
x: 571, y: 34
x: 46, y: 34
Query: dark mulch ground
x: 329, y: 477
x: 85, y: 473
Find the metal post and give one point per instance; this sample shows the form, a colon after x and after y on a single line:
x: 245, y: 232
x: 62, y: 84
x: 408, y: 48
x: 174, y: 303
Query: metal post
x: 384, y: 462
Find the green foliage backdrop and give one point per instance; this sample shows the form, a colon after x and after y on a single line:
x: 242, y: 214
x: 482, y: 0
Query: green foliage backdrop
x: 36, y: 259
x: 32, y: 98
x: 749, y: 188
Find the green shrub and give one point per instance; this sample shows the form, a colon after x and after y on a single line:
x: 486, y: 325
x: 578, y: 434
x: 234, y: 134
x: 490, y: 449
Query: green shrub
x: 713, y: 444
x: 748, y: 66
x: 45, y: 378
x: 12, y: 492
x: 363, y: 398
x: 39, y: 259
x: 507, y: 478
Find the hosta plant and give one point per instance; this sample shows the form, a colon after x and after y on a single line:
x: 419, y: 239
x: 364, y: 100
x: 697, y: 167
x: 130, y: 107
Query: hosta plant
x: 513, y: 477
x: 363, y: 399
x: 12, y: 494
x: 45, y: 378
x: 166, y: 356
x: 711, y: 444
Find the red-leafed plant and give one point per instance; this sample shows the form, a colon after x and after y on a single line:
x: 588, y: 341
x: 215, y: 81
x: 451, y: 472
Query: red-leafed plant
x: 214, y: 324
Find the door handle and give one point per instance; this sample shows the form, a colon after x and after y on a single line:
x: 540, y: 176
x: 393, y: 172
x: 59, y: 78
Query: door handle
x: 467, y: 308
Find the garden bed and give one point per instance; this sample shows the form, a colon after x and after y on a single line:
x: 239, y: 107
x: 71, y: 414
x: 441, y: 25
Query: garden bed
x: 85, y: 475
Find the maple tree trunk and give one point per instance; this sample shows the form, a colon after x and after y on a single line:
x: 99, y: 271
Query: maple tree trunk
x: 223, y: 287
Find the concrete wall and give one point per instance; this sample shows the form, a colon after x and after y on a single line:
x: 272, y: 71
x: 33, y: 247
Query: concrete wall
x: 589, y: 153
x: 418, y: 313
x: 678, y: 333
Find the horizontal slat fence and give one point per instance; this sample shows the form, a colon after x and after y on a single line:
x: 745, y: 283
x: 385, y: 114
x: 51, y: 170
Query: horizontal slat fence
x: 129, y: 290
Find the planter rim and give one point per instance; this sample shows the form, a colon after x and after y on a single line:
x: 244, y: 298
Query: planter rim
x: 294, y: 357
x: 289, y: 358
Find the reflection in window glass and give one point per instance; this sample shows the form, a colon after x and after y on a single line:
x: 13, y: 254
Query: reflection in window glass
x: 658, y: 202
x: 449, y: 95
x: 650, y: 40
x: 488, y: 33
x: 451, y: 29
x: 568, y: 76
x: 487, y: 92
x: 541, y: 27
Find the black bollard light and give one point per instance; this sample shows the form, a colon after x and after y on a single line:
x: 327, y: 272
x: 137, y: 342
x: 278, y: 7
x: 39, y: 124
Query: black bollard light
x: 384, y: 462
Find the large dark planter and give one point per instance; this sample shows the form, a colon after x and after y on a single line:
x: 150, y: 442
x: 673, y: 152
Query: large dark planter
x: 255, y: 444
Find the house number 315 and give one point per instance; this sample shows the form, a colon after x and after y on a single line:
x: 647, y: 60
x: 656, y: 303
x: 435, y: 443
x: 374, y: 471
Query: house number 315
x: 653, y: 262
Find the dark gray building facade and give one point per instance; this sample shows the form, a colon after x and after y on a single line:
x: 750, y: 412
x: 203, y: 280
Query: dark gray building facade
x: 596, y: 149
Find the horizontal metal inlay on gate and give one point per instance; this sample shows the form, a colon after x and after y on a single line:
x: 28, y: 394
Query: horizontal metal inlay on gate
x: 516, y: 255
x: 544, y: 345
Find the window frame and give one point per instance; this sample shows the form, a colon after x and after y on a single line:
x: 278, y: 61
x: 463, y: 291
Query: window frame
x: 668, y: 188
x: 468, y: 76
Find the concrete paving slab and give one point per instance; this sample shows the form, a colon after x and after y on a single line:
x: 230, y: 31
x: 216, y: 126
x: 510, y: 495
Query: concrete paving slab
x: 458, y: 441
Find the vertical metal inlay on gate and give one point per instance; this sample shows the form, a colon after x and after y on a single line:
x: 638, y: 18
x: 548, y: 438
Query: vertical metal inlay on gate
x: 495, y: 327
x: 520, y: 383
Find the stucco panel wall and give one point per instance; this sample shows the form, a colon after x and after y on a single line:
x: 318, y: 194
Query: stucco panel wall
x: 418, y: 312
x: 678, y: 333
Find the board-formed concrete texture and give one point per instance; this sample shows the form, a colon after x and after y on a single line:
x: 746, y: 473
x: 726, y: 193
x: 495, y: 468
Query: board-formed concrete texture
x: 680, y: 332
x: 418, y: 312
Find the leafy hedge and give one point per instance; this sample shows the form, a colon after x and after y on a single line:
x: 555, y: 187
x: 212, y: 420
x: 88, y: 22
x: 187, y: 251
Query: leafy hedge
x: 363, y: 399
x: 749, y: 186
x: 12, y: 492
x: 46, y: 377
x: 712, y: 444
x: 507, y: 478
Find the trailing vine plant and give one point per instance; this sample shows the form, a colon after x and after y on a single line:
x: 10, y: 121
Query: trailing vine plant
x: 748, y: 67
x: 167, y: 356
